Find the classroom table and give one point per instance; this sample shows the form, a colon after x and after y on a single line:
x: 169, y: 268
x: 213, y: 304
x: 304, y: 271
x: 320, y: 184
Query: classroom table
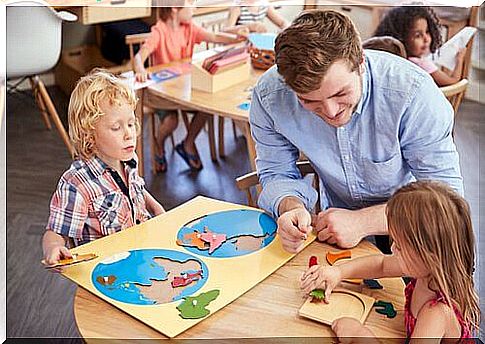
x: 179, y: 92
x: 268, y: 310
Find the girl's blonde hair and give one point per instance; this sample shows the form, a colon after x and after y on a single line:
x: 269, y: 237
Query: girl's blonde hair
x: 84, y: 107
x: 433, y: 221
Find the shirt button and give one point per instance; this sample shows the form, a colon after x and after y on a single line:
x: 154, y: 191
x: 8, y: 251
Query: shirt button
x: 110, y: 204
x: 346, y: 157
x: 137, y: 221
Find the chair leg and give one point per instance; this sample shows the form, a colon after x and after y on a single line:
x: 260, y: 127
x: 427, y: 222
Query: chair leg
x: 185, y: 118
x: 54, y: 115
x: 153, y: 140
x: 212, y: 139
x: 222, y: 152
x: 40, y: 104
x: 234, y: 129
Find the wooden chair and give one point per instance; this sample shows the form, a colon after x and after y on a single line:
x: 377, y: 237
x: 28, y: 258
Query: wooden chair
x: 216, y: 26
x: 248, y: 181
x: 454, y: 93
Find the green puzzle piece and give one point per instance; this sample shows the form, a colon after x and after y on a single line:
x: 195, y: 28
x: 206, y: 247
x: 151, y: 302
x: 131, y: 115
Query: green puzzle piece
x: 318, y: 294
x: 193, y: 307
x: 385, y: 308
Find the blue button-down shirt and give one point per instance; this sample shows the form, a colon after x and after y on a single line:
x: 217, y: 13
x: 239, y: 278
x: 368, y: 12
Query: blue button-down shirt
x: 400, y: 131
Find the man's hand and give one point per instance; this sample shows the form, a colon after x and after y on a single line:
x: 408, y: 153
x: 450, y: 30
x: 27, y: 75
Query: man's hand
x: 340, y: 226
x: 293, y: 228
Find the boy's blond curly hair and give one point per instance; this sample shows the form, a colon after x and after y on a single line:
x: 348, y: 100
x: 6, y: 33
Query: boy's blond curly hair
x: 84, y: 107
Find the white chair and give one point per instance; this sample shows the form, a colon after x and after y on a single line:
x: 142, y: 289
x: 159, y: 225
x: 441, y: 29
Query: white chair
x: 33, y: 47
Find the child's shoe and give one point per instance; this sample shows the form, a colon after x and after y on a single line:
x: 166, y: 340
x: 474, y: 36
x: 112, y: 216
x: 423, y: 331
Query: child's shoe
x: 160, y: 164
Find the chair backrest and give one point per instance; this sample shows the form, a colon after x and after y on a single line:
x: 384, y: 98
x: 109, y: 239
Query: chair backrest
x: 215, y: 25
x: 246, y: 182
x: 454, y: 93
x: 137, y: 40
x: 452, y: 27
x: 33, y: 37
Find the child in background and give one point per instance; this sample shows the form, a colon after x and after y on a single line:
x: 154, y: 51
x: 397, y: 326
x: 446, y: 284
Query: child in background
x: 385, y: 43
x: 101, y: 193
x: 418, y: 28
x: 251, y: 13
x: 433, y: 243
x: 173, y: 38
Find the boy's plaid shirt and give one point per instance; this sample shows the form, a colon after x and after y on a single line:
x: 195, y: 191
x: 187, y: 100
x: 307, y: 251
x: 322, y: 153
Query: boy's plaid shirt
x: 88, y: 203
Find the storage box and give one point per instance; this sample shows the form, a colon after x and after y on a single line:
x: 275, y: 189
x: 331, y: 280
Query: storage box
x: 202, y: 80
x: 103, y: 11
x: 76, y: 62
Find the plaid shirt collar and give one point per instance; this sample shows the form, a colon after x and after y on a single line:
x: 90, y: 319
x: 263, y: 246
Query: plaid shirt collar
x: 98, y: 166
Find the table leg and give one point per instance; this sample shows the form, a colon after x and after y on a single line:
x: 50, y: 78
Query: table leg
x: 139, y: 142
x: 251, y: 146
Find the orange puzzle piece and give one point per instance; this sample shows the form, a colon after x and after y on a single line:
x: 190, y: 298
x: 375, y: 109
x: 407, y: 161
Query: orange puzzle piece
x: 332, y: 257
x: 192, y: 239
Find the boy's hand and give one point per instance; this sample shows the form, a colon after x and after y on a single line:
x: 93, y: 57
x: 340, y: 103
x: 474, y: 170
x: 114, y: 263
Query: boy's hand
x: 141, y: 75
x: 55, y: 253
x: 348, y: 330
x: 321, y: 277
x: 257, y: 27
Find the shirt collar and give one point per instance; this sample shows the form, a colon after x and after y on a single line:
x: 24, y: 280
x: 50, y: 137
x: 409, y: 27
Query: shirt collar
x: 365, y: 88
x: 98, y: 166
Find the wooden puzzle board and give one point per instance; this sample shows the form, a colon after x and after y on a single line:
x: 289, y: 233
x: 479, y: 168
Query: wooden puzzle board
x: 342, y: 303
x: 231, y: 276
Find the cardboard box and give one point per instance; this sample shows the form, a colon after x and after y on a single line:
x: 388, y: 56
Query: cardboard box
x: 76, y: 62
x: 202, y: 80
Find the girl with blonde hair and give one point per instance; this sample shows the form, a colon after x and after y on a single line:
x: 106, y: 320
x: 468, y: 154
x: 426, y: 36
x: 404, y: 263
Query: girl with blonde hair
x: 434, y: 244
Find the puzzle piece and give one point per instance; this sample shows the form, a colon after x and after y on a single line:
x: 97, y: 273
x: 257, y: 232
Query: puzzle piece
x: 372, y: 284
x: 215, y: 240
x: 192, y: 239
x: 386, y: 308
x: 318, y: 295
x: 76, y: 258
x: 193, y: 307
x: 186, y: 278
x: 332, y: 257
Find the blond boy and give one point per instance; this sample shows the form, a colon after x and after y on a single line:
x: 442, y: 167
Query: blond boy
x: 101, y: 193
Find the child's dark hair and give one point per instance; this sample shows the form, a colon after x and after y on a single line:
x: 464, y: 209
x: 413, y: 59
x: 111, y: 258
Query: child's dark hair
x: 399, y: 20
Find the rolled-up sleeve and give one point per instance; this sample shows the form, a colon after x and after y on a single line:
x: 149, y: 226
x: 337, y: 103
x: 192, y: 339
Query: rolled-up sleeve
x: 276, y: 161
x: 426, y: 137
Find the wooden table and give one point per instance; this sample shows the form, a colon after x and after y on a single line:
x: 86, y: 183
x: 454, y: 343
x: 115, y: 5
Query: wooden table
x: 223, y: 103
x: 268, y: 310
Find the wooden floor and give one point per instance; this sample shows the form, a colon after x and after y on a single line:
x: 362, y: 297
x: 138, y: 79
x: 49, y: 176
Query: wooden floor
x: 39, y: 303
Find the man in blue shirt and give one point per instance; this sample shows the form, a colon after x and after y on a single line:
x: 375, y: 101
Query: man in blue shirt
x: 369, y: 123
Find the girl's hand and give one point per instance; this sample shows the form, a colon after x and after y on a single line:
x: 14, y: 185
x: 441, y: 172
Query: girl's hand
x: 321, y: 277
x: 141, y: 75
x: 349, y: 329
x: 243, y: 32
x: 460, y: 55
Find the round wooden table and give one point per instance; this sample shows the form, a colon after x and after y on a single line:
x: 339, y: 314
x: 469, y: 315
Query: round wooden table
x: 268, y: 310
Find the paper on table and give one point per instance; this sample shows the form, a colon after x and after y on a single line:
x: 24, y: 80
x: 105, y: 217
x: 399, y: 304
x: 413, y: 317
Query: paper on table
x: 446, y: 55
x: 130, y: 80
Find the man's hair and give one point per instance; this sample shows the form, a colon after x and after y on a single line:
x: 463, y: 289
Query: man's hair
x: 399, y: 20
x: 385, y: 43
x: 84, y: 107
x: 316, y: 39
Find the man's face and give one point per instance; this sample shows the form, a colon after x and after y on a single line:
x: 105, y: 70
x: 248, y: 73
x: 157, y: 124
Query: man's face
x: 338, y: 95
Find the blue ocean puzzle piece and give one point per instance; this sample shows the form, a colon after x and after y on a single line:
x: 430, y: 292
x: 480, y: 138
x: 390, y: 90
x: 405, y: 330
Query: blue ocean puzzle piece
x: 263, y: 41
x: 246, y: 231
x: 135, y: 276
x: 244, y: 106
x: 164, y: 74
